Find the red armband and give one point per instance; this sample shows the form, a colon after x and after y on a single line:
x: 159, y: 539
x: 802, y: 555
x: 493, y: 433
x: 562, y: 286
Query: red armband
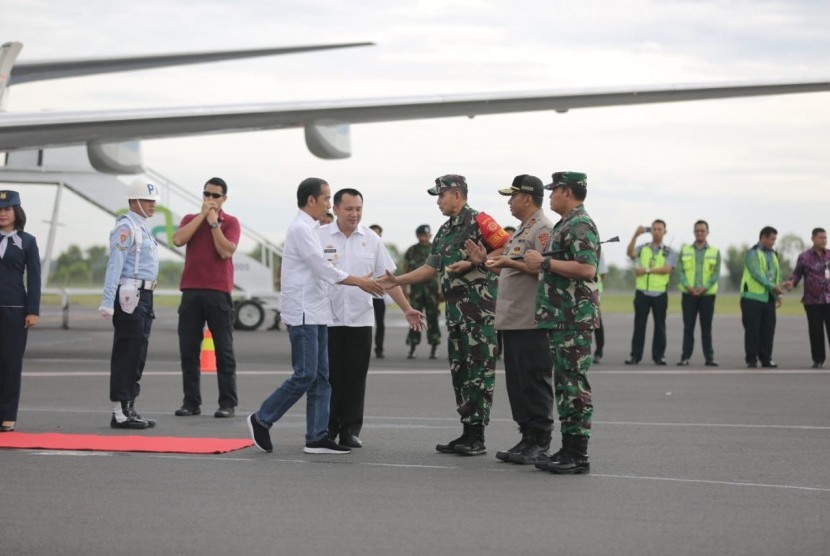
x: 494, y: 235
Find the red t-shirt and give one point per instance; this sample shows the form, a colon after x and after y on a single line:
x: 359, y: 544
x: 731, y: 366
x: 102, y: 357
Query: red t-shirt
x: 204, y: 269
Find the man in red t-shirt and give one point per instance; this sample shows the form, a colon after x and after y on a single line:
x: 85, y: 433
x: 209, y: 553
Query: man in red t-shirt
x: 207, y: 280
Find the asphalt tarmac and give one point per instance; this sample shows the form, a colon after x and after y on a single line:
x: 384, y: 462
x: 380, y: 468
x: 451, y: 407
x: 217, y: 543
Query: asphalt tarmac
x: 684, y: 460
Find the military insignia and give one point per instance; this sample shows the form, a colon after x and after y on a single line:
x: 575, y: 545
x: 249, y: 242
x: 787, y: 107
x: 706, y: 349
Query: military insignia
x: 543, y: 238
x: 124, y: 235
x: 517, y: 250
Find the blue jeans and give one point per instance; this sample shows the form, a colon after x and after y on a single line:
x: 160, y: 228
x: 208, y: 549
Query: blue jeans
x: 310, y: 361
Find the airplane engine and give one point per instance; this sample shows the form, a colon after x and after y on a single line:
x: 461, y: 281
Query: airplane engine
x: 115, y: 158
x: 328, y: 140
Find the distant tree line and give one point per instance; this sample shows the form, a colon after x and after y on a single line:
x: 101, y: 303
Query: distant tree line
x: 87, y: 267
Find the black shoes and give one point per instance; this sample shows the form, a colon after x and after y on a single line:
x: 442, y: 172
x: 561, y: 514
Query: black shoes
x: 683, y: 363
x: 432, y: 352
x: 325, y: 446
x: 818, y: 364
x: 527, y: 440
x: 712, y: 363
x: 125, y: 417
x: 597, y: 359
x: 574, y: 457
x: 224, y: 412
x: 538, y: 448
x: 632, y: 361
x: 185, y: 411
x: 411, y: 354
x: 660, y: 361
x: 350, y: 441
x: 449, y: 447
x: 379, y: 354
x: 472, y: 444
x: 769, y: 364
x: 259, y: 434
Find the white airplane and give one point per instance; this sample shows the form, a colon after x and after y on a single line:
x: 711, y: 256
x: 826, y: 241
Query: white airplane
x: 111, y: 135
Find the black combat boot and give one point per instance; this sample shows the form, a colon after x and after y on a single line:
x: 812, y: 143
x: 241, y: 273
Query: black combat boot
x: 150, y: 422
x: 544, y: 462
x: 473, y: 444
x: 538, y: 447
x: 504, y: 455
x: 411, y: 354
x: 575, y: 458
x: 448, y: 448
x: 124, y: 417
x: 432, y: 352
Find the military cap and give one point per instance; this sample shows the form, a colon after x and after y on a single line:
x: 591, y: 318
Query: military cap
x: 422, y: 229
x: 447, y: 182
x: 568, y: 179
x: 525, y: 183
x: 9, y: 198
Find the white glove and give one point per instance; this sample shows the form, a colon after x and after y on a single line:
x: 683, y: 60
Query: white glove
x: 106, y: 312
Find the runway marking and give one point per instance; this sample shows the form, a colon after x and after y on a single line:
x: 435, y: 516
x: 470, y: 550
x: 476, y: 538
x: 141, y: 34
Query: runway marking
x: 711, y: 482
x: 420, y: 466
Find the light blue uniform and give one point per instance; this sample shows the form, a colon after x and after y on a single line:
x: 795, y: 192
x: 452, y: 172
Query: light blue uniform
x: 122, y: 259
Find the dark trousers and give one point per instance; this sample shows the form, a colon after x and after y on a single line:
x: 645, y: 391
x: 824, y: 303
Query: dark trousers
x: 129, y: 347
x: 13, y: 337
x: 692, y: 305
x: 818, y: 320
x: 350, y: 348
x: 528, y: 373
x: 599, y: 338
x: 379, y: 305
x: 758, y: 318
x: 216, y: 309
x: 658, y: 306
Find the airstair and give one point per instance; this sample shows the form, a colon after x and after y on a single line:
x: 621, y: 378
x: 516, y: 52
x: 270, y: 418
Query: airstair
x: 69, y: 167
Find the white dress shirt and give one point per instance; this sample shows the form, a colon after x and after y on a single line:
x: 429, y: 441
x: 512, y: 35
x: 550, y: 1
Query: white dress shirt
x: 305, y: 274
x: 359, y: 254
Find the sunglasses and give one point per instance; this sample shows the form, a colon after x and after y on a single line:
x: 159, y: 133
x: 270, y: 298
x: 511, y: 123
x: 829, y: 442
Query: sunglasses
x: 214, y: 195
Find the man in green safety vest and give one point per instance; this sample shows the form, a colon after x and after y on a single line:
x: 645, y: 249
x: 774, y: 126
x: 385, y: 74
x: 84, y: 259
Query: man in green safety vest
x: 760, y: 297
x: 699, y: 273
x: 655, y: 262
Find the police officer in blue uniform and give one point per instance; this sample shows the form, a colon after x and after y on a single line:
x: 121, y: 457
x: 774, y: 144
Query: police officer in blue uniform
x: 19, y: 305
x: 131, y: 276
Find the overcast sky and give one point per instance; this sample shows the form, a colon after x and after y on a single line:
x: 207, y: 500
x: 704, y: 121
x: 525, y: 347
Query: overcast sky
x: 741, y: 164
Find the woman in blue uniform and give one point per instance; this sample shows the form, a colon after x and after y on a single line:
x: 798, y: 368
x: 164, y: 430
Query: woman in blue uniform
x: 19, y: 305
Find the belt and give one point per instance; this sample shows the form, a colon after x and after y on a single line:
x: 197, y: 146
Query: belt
x: 148, y: 285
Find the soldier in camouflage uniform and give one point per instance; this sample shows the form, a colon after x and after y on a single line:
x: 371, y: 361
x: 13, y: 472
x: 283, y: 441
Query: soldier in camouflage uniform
x: 470, y: 296
x: 567, y: 304
x: 424, y: 296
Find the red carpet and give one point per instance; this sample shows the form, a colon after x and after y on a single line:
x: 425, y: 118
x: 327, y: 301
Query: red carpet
x: 94, y: 442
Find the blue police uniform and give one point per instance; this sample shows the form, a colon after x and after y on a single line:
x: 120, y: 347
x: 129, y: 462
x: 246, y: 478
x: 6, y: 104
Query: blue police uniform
x: 131, y: 276
x: 18, y: 256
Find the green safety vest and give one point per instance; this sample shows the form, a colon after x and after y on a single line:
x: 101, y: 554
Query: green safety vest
x: 652, y: 282
x: 687, y: 266
x: 752, y: 288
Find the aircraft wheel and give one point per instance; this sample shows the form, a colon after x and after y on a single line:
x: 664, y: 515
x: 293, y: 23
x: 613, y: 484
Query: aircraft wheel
x: 249, y: 315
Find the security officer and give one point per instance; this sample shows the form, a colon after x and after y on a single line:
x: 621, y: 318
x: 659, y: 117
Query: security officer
x: 761, y: 290
x: 131, y: 275
x: 423, y: 297
x: 567, y: 305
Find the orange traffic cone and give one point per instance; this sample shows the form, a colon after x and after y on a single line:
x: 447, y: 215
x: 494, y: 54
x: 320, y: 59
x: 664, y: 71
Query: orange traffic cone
x: 207, y: 358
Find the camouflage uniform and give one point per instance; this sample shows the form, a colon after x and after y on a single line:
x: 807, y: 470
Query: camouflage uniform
x: 470, y: 307
x: 569, y: 309
x: 423, y: 297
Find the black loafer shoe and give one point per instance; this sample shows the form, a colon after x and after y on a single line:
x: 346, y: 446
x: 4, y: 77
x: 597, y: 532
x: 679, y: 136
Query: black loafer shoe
x: 683, y: 363
x: 632, y: 361
x: 752, y: 365
x: 223, y: 412
x: 818, y: 364
x: 350, y: 441
x: 185, y: 411
x: 661, y: 361
x: 770, y: 364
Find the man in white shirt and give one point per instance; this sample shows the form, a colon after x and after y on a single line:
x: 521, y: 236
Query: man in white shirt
x: 352, y: 247
x: 305, y: 276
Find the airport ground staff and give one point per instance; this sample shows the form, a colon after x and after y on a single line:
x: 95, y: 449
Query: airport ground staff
x: 699, y: 272
x: 760, y: 297
x: 131, y: 276
x: 19, y: 304
x: 655, y: 262
x: 567, y: 306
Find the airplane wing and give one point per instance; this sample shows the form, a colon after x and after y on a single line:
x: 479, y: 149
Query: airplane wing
x: 37, y: 71
x: 40, y: 129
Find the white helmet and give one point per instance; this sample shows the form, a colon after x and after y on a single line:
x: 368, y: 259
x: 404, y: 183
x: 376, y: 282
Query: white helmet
x: 141, y: 189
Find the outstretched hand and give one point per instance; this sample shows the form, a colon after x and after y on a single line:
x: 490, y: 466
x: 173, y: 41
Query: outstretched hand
x: 387, y: 281
x: 416, y: 319
x: 367, y: 284
x: 475, y: 251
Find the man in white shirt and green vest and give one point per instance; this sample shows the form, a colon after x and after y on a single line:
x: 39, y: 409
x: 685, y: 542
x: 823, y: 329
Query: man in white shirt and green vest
x: 655, y: 262
x: 699, y: 273
x: 760, y: 297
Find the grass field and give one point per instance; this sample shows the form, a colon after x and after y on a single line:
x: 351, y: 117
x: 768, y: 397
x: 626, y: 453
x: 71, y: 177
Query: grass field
x: 612, y: 302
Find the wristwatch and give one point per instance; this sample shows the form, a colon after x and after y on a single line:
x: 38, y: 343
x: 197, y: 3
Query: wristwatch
x: 545, y: 264
x: 213, y: 226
